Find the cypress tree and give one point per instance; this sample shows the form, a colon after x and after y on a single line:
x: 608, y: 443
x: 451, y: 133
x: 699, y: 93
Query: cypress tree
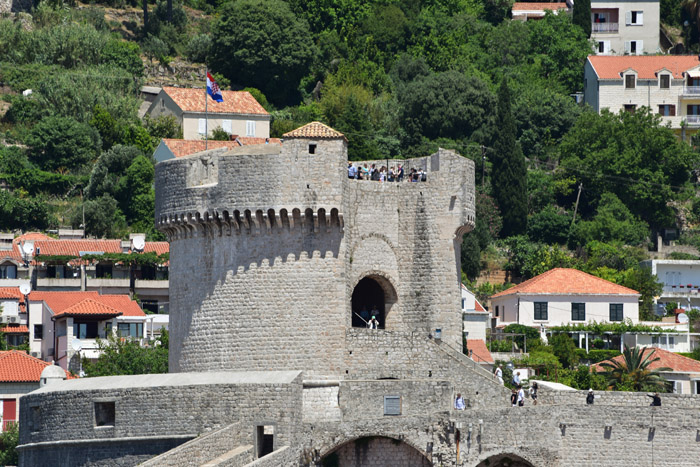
x: 582, y: 15
x: 509, y: 178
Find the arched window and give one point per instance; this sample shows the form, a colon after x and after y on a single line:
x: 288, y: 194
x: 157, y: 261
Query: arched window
x: 372, y: 296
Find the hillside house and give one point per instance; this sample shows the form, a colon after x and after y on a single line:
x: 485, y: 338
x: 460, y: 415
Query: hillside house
x: 527, y: 11
x: 239, y: 113
x: 681, y: 280
x: 626, y: 27
x: 669, y: 85
x: 476, y: 318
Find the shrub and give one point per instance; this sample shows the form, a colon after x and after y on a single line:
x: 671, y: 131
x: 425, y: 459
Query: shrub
x: 197, y: 49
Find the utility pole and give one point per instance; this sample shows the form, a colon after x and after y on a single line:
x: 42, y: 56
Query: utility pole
x: 578, y: 196
x: 483, y: 166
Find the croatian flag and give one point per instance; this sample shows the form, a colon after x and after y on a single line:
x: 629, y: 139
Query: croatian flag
x: 213, y: 89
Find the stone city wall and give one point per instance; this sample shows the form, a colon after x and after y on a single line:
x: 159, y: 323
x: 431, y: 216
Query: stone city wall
x: 617, y: 398
x: 281, y: 457
x: 158, y: 413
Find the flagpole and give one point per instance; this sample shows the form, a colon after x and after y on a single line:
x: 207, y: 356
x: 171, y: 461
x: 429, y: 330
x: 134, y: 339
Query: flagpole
x: 206, y: 110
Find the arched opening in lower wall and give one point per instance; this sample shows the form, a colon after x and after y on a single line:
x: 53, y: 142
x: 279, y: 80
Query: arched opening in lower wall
x: 373, y: 296
x: 505, y: 460
x: 375, y: 450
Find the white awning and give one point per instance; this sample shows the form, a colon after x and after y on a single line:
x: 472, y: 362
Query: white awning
x: 695, y: 73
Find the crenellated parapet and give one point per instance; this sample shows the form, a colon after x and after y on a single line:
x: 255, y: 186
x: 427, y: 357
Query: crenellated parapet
x: 255, y: 223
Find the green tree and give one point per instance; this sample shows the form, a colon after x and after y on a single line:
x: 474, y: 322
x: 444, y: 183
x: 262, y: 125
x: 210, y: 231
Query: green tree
x: 24, y: 213
x: 62, y: 142
x: 496, y: 11
x: 647, y: 284
x: 488, y: 224
x: 550, y: 225
x: 127, y: 357
x: 261, y: 43
x: 634, y: 370
x: 9, y: 439
x: 509, y: 178
x: 613, y: 222
x: 564, y: 348
x: 124, y: 55
x: 140, y: 197
x: 582, y: 16
x: 107, y: 176
x: 102, y: 217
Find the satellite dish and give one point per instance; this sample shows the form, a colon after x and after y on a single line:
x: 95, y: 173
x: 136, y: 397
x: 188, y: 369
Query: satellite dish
x: 25, y: 289
x: 28, y: 248
x: 139, y: 243
x: 76, y: 345
x: 683, y: 318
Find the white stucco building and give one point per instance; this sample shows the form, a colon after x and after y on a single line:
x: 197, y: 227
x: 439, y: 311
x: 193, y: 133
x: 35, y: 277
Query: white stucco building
x: 669, y: 85
x: 681, y: 280
x: 476, y: 318
x: 561, y: 296
x: 527, y: 11
x: 239, y: 114
x: 625, y: 28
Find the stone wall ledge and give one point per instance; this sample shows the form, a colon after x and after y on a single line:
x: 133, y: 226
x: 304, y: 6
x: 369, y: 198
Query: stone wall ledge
x: 96, y: 441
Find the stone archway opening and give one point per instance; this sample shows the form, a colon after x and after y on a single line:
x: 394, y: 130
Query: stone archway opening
x: 375, y: 450
x: 505, y: 460
x: 372, y: 296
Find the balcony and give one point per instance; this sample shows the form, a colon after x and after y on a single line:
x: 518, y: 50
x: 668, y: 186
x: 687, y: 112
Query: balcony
x: 605, y: 28
x: 46, y: 283
x: 693, y: 120
x: 691, y: 91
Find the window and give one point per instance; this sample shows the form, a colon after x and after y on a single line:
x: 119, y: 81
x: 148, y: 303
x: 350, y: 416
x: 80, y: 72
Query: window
x: 616, y: 312
x: 578, y: 312
x: 15, y: 340
x: 250, y: 128
x: 103, y: 271
x: 8, y: 271
x: 634, y: 47
x: 34, y: 418
x: 108, y: 328
x: 134, y: 330
x: 202, y: 126
x: 603, y: 47
x: 630, y: 81
x: 630, y: 108
x: 264, y: 440
x: 312, y: 149
x: 496, y: 311
x: 693, y: 109
x: 226, y: 126
x: 84, y: 330
x: 541, y: 311
x: 667, y: 110
x: 665, y: 81
x: 392, y: 405
x: 104, y: 413
x: 150, y: 306
x: 38, y: 331
x: 601, y: 17
x: 634, y: 18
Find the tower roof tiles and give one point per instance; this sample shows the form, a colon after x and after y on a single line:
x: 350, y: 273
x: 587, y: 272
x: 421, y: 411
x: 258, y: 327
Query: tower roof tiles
x: 315, y: 130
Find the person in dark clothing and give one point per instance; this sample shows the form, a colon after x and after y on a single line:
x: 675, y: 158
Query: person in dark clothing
x: 590, y: 397
x: 656, y: 400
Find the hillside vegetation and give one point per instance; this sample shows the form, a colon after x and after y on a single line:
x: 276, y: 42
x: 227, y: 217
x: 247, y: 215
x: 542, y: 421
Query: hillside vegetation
x: 399, y: 77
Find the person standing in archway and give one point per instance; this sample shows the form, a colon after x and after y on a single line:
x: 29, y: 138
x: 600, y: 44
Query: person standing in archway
x: 373, y: 323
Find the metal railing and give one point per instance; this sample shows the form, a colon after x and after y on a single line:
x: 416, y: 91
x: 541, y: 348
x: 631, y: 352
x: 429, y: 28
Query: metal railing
x: 693, y: 120
x: 605, y: 27
x: 691, y: 91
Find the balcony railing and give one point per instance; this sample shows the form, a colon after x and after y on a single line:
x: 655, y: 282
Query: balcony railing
x: 692, y: 120
x: 691, y: 91
x: 605, y: 27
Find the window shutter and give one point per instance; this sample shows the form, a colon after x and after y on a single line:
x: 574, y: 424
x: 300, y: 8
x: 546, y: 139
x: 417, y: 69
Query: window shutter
x: 640, y: 18
x: 202, y: 126
x: 227, y: 126
x: 250, y: 128
x: 628, y: 46
x: 628, y: 18
x: 607, y: 46
x: 672, y: 110
x: 640, y: 47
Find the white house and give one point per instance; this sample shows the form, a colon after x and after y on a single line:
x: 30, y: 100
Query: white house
x: 239, y: 114
x: 681, y: 280
x: 669, y: 85
x: 561, y: 296
x: 476, y: 318
x: 626, y: 28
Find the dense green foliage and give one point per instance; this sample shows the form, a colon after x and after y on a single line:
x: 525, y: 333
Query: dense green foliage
x: 125, y: 356
x: 9, y: 439
x: 582, y: 15
x: 634, y: 371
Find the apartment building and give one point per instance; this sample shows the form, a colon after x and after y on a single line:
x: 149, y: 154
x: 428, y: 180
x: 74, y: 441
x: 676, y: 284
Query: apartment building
x: 626, y: 28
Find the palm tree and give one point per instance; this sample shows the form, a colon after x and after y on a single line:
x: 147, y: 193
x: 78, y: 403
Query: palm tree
x: 634, y: 368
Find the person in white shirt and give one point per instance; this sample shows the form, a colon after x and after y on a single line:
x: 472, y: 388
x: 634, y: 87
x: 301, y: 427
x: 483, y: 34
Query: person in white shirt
x: 521, y: 396
x: 459, y: 402
x: 498, y: 374
x: 516, y: 379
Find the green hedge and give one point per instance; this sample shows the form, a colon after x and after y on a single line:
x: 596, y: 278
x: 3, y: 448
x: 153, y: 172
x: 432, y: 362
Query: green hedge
x: 595, y: 356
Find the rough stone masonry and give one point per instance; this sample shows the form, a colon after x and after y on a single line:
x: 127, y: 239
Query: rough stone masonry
x: 275, y: 254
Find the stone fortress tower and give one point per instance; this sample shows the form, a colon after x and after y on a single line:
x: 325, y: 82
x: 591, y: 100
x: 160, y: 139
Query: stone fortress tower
x: 275, y: 256
x: 272, y: 247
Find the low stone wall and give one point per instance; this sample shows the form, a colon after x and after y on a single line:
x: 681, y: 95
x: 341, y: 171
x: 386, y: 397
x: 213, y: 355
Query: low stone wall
x: 282, y: 456
x: 616, y: 398
x: 201, y: 449
x: 237, y: 457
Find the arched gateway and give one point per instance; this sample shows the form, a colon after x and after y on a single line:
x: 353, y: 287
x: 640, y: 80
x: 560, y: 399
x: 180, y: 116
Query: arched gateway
x: 375, y: 450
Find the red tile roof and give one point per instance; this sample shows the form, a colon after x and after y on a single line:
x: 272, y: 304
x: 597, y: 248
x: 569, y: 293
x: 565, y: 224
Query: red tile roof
x: 51, y: 246
x: 538, y: 6
x: 564, y: 281
x: 314, y: 130
x: 17, y: 366
x: 185, y: 147
x: 59, y: 302
x: 646, y: 66
x: 158, y: 248
x: 89, y: 307
x: 477, y: 306
x: 21, y: 329
x: 10, y: 292
x: 235, y: 102
x: 480, y: 353
x: 676, y: 362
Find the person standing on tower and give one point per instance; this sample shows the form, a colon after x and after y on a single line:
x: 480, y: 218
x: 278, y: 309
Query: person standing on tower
x: 373, y: 323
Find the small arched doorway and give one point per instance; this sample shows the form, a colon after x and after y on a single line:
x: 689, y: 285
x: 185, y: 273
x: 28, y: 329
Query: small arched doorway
x: 372, y: 296
x: 505, y: 460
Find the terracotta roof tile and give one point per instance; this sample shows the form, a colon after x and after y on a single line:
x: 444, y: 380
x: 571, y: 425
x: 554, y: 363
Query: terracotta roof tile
x: 646, y: 66
x: 20, y: 329
x: 563, y: 281
x: 89, y: 307
x: 235, y: 102
x: 477, y: 306
x: 538, y: 6
x: 314, y: 130
x: 185, y: 147
x: 17, y: 366
x: 74, y: 247
x: 123, y: 303
x: 158, y: 248
x: 480, y: 353
x: 10, y: 292
x: 59, y: 302
x: 667, y: 359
